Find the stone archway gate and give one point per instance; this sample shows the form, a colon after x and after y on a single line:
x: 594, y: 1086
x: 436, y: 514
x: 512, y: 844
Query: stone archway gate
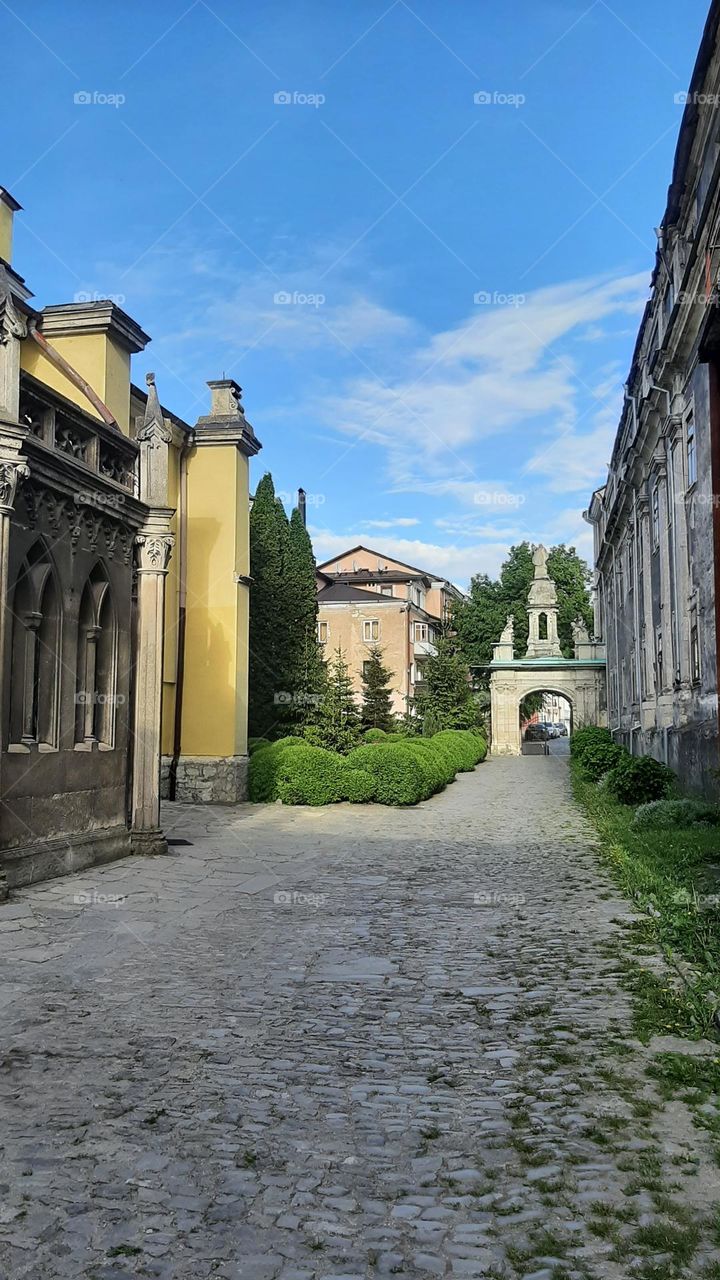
x: 580, y: 679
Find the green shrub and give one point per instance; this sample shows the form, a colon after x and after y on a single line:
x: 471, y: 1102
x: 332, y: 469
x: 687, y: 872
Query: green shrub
x: 437, y: 768
x: 600, y: 757
x: 663, y: 814
x: 375, y: 735
x: 399, y: 777
x: 590, y: 735
x: 358, y: 786
x: 264, y: 765
x: 311, y: 775
x: 639, y: 779
x: 464, y: 747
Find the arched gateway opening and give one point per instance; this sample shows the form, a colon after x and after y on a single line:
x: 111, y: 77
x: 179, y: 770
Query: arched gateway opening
x: 516, y: 682
x: 546, y: 722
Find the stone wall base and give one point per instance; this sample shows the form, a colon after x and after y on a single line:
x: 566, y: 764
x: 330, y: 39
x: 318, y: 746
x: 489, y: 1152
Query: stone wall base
x: 207, y: 779
x: 46, y: 859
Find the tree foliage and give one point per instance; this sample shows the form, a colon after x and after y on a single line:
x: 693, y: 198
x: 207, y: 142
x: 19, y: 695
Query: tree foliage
x: 285, y: 668
x: 336, y: 721
x: 377, y: 710
x: 444, y: 698
x: 479, y: 620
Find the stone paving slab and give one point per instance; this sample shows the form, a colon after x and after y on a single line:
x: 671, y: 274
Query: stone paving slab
x: 337, y: 1043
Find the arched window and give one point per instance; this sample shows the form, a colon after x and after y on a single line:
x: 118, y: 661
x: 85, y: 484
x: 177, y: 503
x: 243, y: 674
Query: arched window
x: 543, y: 626
x: 96, y: 664
x: 35, y: 653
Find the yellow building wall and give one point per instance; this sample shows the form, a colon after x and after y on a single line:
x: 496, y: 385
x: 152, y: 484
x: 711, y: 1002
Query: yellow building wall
x: 102, y: 363
x: 6, y: 231
x: 214, y: 719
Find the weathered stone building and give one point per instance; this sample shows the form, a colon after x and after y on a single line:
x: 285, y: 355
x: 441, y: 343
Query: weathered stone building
x: 656, y: 520
x: 111, y: 652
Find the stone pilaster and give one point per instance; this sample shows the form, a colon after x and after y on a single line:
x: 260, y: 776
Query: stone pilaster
x: 154, y: 544
x: 12, y: 469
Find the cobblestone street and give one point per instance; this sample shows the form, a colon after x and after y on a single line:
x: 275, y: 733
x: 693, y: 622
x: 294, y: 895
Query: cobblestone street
x: 340, y: 1043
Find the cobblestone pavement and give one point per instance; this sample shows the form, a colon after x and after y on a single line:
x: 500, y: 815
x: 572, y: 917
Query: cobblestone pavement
x: 340, y: 1043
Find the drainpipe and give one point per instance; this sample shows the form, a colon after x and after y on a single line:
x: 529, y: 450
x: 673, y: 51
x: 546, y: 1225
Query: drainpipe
x: 618, y: 709
x: 672, y: 497
x: 636, y: 594
x: 182, y: 605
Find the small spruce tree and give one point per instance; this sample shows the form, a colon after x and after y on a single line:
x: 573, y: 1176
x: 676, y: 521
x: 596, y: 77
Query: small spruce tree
x: 377, y: 710
x: 444, y: 699
x: 336, y: 723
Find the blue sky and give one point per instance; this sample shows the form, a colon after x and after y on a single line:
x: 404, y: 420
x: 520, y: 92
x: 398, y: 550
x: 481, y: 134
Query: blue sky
x: 429, y: 300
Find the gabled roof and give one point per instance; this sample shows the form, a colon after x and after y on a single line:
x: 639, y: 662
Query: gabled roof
x: 381, y: 555
x: 341, y: 592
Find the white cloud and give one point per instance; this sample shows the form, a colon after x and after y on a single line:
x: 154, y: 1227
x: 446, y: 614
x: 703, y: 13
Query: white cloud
x: 402, y: 522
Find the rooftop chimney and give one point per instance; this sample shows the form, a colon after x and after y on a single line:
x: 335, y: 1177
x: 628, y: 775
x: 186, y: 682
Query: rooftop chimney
x: 8, y: 208
x: 302, y: 506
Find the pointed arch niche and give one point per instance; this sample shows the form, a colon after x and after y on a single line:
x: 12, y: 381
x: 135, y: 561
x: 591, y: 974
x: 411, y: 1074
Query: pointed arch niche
x: 35, y: 654
x: 95, y: 693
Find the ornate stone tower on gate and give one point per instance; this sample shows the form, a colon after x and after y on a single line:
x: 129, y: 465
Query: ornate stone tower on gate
x: 580, y: 679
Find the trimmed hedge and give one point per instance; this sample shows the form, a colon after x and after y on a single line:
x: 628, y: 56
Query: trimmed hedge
x: 375, y: 735
x: 399, y: 776
x: 392, y: 769
x: 311, y: 775
x: 358, y: 786
x: 264, y: 766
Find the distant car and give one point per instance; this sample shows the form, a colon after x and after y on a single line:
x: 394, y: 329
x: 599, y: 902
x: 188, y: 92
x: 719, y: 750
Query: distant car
x: 536, y: 733
x: 552, y: 730
x: 562, y: 729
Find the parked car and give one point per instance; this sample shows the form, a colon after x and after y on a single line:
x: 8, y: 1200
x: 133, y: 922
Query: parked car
x: 536, y: 733
x: 552, y: 731
x: 562, y: 728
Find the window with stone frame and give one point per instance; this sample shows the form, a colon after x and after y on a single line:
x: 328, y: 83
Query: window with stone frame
x: 690, y: 449
x: 659, y: 661
x: 322, y: 632
x: 694, y: 646
x: 95, y: 692
x: 35, y: 653
x: 655, y: 515
x: 371, y: 630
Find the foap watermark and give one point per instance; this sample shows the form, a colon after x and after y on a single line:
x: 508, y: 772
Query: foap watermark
x: 283, y: 698
x: 94, y: 295
x: 294, y: 898
x: 311, y: 499
x: 700, y: 901
x: 297, y: 299
x: 103, y: 501
x: 492, y: 898
x: 96, y: 98
x: 91, y: 898
x: 497, y: 299
x: 498, y: 498
x: 496, y: 98
x: 88, y: 697
x: 697, y: 99
x: 295, y: 98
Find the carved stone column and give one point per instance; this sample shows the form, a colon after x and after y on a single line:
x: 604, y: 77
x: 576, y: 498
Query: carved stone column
x: 154, y: 544
x: 12, y: 469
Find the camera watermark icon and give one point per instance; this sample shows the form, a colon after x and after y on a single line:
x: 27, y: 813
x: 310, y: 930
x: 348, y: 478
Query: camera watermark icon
x: 94, y: 899
x: 95, y: 98
x: 294, y: 98
x: 497, y: 299
x: 311, y: 499
x: 293, y: 898
x: 697, y: 99
x: 103, y: 501
x: 283, y: 698
x: 490, y: 898
x: 495, y: 98
x: 296, y: 299
x: 94, y: 295
x: 87, y: 697
x: 498, y: 498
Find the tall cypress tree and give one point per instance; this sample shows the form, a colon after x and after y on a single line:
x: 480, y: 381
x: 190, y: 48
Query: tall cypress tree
x: 377, y: 710
x: 306, y: 667
x: 269, y: 630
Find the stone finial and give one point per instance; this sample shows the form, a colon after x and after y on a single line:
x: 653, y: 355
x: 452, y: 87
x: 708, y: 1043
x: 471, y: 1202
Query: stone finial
x: 540, y: 559
x: 154, y: 437
x: 225, y: 398
x: 508, y: 634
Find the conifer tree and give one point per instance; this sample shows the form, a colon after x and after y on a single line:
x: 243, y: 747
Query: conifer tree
x: 377, y: 710
x: 336, y: 724
x: 306, y: 674
x: 444, y: 699
x: 269, y: 630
